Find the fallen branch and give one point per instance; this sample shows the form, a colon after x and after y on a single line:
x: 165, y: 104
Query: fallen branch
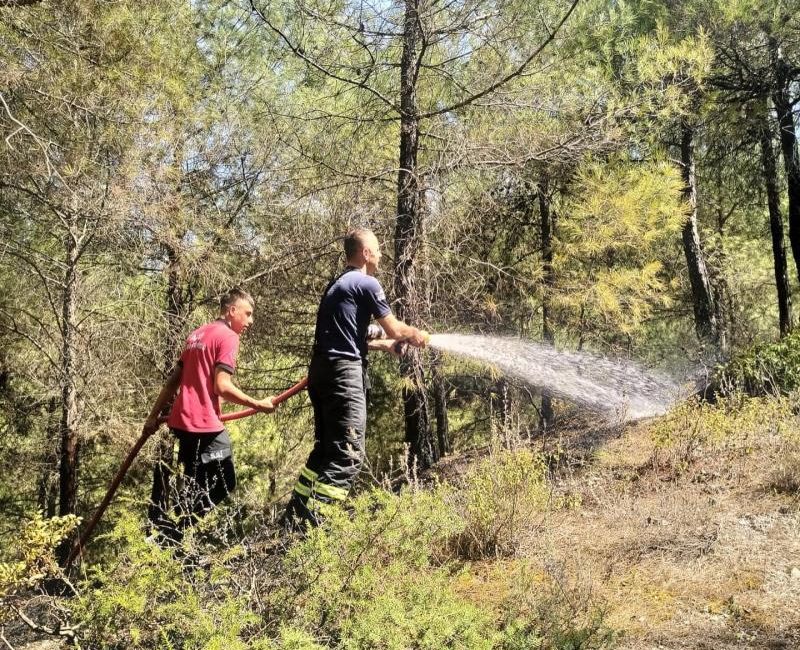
x: 65, y: 631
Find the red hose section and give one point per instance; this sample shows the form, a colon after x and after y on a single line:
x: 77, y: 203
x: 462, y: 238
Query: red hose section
x: 238, y: 415
x: 282, y: 397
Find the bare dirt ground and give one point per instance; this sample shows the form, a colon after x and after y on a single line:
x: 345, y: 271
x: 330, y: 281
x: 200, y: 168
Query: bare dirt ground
x: 695, y: 548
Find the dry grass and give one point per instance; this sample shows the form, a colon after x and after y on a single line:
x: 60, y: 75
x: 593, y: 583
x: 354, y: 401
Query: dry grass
x: 685, y: 543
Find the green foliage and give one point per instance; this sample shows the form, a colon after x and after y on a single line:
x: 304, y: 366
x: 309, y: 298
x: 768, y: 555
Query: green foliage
x: 148, y: 598
x: 558, y: 628
x: 764, y: 369
x: 374, y: 578
x: 553, y: 611
x: 610, y: 253
x: 34, y: 548
x: 501, y: 498
x: 735, y: 423
x: 370, y: 581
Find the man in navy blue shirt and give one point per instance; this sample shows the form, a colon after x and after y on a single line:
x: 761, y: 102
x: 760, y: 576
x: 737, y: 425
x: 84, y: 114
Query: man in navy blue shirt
x: 337, y: 377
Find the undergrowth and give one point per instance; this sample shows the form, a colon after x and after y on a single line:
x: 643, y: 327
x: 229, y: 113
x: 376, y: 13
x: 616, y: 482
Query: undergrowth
x: 764, y: 369
x: 734, y: 425
x: 383, y: 574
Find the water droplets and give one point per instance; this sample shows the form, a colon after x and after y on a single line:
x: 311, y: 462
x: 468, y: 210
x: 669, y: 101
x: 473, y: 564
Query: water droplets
x: 618, y: 388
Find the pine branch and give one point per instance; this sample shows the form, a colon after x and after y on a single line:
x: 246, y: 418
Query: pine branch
x: 299, y: 52
x: 512, y: 75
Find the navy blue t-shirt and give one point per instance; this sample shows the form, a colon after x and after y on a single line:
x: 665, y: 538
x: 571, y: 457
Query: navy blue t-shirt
x: 344, y: 315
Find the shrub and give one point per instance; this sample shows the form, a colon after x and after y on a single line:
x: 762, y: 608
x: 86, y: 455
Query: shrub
x: 785, y: 475
x: 149, y: 598
x: 735, y: 423
x: 558, y: 614
x: 35, y: 549
x: 765, y: 369
x: 500, y: 501
x: 370, y: 580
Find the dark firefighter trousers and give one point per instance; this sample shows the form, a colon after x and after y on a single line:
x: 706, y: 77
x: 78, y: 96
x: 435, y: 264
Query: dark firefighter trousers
x: 338, y: 392
x: 208, y: 478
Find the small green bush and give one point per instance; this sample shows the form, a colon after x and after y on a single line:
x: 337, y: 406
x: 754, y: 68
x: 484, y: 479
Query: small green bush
x: 500, y: 501
x: 765, y: 369
x: 35, y: 547
x: 735, y: 423
x: 369, y: 580
x: 559, y: 613
x: 149, y: 598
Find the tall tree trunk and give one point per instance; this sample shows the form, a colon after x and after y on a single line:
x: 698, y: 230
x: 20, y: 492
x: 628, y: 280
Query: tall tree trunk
x: 546, y: 223
x: 437, y: 376
x: 47, y: 485
x: 68, y: 469
x: 505, y: 410
x: 723, y: 299
x: 788, y: 136
x: 705, y: 317
x: 175, y: 309
x: 418, y: 433
x: 776, y: 227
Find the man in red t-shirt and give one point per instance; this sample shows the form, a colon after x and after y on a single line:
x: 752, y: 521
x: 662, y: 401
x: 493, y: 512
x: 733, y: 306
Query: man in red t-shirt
x: 201, y: 377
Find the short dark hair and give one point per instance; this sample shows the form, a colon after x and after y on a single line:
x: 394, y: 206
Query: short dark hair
x: 231, y: 296
x: 354, y: 241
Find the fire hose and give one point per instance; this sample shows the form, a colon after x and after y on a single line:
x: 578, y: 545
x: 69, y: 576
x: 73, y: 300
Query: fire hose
x: 123, y: 470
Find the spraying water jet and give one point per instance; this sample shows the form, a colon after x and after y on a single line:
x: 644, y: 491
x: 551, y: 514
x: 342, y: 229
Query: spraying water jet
x: 617, y: 388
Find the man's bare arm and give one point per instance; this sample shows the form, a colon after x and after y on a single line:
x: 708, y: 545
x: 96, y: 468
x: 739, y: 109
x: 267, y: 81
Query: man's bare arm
x: 227, y: 390
x: 397, y: 329
x: 384, y: 345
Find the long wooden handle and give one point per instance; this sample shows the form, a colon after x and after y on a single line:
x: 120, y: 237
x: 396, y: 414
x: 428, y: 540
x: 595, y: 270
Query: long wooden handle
x: 112, y: 487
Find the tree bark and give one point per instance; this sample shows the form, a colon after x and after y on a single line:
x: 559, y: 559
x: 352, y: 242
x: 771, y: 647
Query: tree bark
x: 776, y: 228
x: 418, y: 433
x: 68, y: 469
x: 546, y: 223
x: 175, y: 309
x: 788, y: 137
x: 47, y: 485
x: 440, y: 405
x: 705, y: 317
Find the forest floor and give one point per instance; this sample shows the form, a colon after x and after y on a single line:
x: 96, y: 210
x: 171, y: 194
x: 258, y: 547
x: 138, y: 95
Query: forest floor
x: 679, y: 533
x: 690, y: 546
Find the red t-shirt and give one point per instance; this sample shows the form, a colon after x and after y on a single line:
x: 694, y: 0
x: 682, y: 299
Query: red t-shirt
x: 196, y: 408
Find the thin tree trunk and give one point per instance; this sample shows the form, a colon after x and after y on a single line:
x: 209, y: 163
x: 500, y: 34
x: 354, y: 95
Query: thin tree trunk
x: 723, y: 300
x: 418, y: 433
x: 68, y: 469
x: 437, y: 376
x: 705, y: 320
x: 160, y: 496
x: 788, y: 138
x: 503, y: 422
x: 47, y: 488
x: 776, y: 228
x: 440, y: 405
x: 546, y: 222
x: 175, y: 310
